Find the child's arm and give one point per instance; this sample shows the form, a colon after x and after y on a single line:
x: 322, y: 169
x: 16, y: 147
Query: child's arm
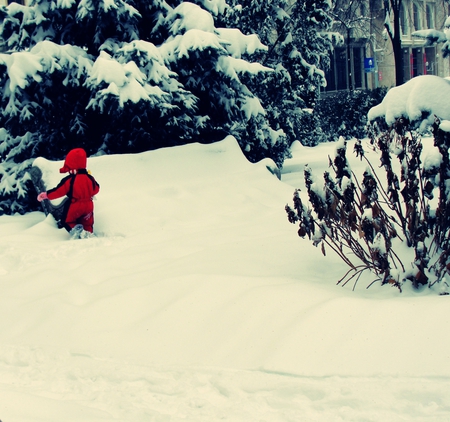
x: 61, y: 190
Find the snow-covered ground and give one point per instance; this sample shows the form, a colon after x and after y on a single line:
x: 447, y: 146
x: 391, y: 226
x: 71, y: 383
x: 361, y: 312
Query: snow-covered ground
x: 198, y: 302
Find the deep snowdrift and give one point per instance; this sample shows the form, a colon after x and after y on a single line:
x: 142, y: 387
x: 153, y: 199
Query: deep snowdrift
x: 198, y: 302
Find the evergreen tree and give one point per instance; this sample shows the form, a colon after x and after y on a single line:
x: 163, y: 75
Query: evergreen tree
x: 299, y: 44
x: 122, y: 76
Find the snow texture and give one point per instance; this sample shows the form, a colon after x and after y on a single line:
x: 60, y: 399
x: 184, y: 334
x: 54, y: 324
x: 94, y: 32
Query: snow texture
x: 44, y: 57
x: 125, y: 81
x: 197, y: 302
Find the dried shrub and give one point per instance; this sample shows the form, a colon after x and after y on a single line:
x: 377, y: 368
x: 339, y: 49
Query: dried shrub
x: 370, y: 223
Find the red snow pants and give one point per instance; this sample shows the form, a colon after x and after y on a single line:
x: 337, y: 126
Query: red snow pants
x: 80, y: 212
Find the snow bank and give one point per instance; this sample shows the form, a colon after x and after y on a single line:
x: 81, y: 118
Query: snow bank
x: 197, y: 302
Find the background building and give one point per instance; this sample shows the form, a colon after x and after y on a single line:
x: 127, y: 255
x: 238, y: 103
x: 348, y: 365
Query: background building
x: 366, y: 59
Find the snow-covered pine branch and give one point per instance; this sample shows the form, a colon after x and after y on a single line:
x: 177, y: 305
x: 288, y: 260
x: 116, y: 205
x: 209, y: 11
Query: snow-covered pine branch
x: 128, y: 76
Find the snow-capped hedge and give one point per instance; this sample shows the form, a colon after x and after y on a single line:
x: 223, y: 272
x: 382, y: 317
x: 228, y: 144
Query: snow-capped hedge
x: 419, y: 100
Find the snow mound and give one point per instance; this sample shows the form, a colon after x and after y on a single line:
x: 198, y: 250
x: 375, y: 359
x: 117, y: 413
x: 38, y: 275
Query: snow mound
x: 198, y: 302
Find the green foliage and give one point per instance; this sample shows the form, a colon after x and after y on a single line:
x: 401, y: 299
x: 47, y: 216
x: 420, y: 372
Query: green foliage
x: 298, y: 51
x: 344, y: 113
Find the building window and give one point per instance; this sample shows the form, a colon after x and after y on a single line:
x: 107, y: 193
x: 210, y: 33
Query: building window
x: 430, y: 16
x: 406, y: 64
x: 362, y: 9
x: 358, y: 67
x: 404, y: 20
x: 417, y: 62
x: 330, y: 76
x: 430, y: 61
x: 340, y: 69
x: 417, y: 18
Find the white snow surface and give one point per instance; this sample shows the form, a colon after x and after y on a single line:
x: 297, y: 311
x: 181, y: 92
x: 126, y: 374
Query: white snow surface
x: 197, y: 301
x: 420, y: 100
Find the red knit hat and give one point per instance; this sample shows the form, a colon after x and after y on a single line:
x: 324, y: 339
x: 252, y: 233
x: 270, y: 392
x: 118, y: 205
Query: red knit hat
x: 76, y: 159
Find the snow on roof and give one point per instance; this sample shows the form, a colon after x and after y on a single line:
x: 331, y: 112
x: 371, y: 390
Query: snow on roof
x: 419, y: 100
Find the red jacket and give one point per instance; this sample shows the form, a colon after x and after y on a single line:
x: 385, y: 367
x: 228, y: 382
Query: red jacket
x: 79, y: 187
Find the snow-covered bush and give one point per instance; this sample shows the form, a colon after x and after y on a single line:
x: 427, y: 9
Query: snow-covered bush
x: 395, y: 220
x: 123, y: 76
x: 419, y: 101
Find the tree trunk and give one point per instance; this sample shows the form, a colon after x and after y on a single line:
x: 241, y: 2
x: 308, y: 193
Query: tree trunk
x: 397, y: 46
x: 395, y: 34
x: 349, y: 62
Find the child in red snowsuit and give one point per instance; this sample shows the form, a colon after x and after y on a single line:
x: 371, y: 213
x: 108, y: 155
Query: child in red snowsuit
x: 79, y: 186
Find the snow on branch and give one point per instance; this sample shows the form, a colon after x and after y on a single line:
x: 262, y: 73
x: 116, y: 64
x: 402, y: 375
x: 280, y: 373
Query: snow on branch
x: 107, y: 70
x: 232, y: 67
x: 64, y: 4
x: 46, y: 56
x: 189, y: 16
x: 149, y: 59
x: 238, y: 44
x: 192, y: 40
x: 216, y: 7
x: 123, y: 80
x: 431, y: 36
x: 21, y: 67
x: 88, y: 7
x: 251, y: 107
x: 56, y: 57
